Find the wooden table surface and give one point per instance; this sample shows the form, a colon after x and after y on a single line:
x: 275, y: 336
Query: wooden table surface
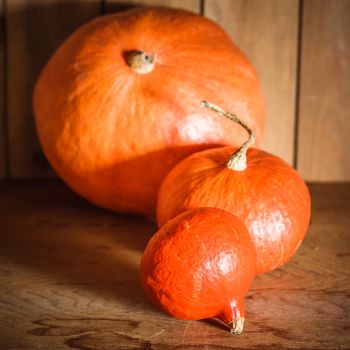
x: 69, y: 280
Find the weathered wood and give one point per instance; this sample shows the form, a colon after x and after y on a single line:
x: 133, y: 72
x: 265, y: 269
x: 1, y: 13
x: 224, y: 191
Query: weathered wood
x: 3, y: 169
x: 117, y: 5
x: 34, y: 31
x: 69, y: 279
x: 267, y: 32
x: 324, y: 127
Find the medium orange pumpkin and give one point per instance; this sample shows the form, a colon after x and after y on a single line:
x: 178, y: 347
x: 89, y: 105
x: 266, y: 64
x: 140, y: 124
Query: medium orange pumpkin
x: 266, y: 193
x: 116, y: 106
x: 200, y: 265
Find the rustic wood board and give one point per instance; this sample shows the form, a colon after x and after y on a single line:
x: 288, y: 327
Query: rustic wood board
x: 34, y: 31
x: 267, y: 32
x: 69, y: 280
x: 324, y: 128
x: 3, y: 170
x: 117, y: 5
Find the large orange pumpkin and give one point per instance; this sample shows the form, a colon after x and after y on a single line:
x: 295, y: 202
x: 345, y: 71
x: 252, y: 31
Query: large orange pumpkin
x: 262, y: 190
x: 117, y: 106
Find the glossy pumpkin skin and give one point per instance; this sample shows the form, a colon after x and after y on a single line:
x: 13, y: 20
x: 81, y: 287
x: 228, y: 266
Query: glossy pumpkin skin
x: 112, y: 133
x: 199, y: 265
x: 269, y: 196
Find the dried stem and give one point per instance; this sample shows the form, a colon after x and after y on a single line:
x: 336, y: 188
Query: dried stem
x: 238, y: 160
x: 141, y: 62
x: 236, y: 326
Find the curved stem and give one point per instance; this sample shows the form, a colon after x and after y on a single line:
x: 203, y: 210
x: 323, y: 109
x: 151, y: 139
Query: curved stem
x: 238, y: 160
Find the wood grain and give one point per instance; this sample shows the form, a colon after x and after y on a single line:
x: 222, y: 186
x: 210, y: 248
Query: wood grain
x: 3, y: 170
x: 69, y: 280
x: 267, y: 32
x: 324, y: 126
x: 117, y: 5
x: 34, y: 30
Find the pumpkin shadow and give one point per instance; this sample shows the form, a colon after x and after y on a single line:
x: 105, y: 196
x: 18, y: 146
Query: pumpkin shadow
x: 138, y: 186
x: 73, y: 243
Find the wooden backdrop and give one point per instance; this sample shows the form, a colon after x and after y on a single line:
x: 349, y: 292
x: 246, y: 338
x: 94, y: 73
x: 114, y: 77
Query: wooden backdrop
x: 301, y: 49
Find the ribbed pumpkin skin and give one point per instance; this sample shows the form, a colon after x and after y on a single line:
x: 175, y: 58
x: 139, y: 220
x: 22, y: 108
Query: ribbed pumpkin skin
x: 269, y: 196
x: 111, y: 133
x: 199, y: 265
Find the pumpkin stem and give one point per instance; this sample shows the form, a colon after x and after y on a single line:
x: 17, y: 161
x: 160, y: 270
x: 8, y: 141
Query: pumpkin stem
x: 238, y: 160
x: 141, y: 62
x: 236, y: 325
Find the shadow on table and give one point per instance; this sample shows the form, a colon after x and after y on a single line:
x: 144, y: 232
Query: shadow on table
x: 50, y: 230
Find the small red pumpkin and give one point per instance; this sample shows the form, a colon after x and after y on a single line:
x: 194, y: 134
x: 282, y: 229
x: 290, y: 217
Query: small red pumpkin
x: 115, y: 108
x: 266, y: 193
x: 200, y: 265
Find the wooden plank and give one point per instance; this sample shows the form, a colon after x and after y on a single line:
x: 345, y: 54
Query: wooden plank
x: 118, y: 5
x: 324, y: 128
x: 267, y: 32
x: 3, y: 169
x: 34, y: 31
x: 69, y: 279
